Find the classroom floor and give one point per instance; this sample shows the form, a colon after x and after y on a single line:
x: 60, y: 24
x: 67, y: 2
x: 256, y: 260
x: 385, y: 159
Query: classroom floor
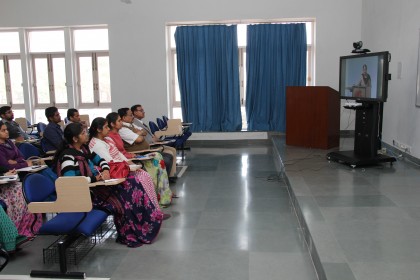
x: 233, y: 220
x: 363, y: 223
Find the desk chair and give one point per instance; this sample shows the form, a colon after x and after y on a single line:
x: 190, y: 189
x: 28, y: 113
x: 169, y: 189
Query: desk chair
x: 75, y: 214
x: 86, y: 119
x: 40, y: 127
x: 23, y: 123
x: 28, y: 150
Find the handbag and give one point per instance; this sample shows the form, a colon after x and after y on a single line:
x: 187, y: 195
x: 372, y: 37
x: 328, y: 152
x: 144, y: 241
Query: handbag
x: 118, y: 170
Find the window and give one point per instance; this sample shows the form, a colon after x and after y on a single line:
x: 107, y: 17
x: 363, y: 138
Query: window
x: 92, y: 60
x: 11, y: 91
x: 64, y: 65
x: 49, y: 80
x: 48, y: 69
x: 174, y: 94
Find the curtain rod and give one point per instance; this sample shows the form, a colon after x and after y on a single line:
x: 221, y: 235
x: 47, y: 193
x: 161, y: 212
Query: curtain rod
x: 248, y: 21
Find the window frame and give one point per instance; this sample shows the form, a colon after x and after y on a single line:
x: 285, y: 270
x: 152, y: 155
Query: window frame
x: 51, y: 85
x: 31, y: 107
x: 97, y: 103
x: 7, y: 80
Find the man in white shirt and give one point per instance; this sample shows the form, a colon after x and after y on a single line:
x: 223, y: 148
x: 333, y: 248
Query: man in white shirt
x: 139, y: 114
x: 134, y: 139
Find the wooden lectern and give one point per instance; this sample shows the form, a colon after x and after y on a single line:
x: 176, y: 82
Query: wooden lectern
x: 312, y: 117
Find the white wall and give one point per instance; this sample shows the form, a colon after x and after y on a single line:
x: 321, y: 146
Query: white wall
x: 137, y: 34
x: 394, y: 26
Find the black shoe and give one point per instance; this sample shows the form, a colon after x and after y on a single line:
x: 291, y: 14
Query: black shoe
x: 166, y: 216
x: 172, y: 179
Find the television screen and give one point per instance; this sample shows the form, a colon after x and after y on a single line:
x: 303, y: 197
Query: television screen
x: 364, y: 77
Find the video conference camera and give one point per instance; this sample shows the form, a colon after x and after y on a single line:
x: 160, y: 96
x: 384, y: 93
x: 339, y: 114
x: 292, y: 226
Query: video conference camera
x: 358, y: 48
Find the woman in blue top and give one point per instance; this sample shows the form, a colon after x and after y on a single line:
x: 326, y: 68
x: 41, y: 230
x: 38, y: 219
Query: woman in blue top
x: 137, y: 220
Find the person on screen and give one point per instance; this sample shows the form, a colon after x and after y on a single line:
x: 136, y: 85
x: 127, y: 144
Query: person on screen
x: 362, y: 88
x: 365, y: 78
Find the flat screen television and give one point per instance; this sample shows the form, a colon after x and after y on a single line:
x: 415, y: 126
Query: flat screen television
x: 364, y: 77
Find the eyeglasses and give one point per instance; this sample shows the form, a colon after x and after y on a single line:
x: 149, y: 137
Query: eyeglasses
x: 9, y: 112
x: 140, y: 110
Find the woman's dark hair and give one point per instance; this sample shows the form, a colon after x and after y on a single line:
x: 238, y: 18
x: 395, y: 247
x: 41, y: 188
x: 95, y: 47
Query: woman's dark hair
x: 71, y: 130
x: 112, y: 118
x: 2, y: 123
x: 97, y: 123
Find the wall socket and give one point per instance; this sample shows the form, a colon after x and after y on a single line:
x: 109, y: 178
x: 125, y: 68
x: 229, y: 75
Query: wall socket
x: 403, y: 147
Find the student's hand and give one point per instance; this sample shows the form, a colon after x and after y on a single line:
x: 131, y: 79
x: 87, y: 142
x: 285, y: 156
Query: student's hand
x: 99, y: 177
x: 139, y: 139
x: 155, y: 139
x: 11, y: 172
x: 20, y: 139
x: 106, y: 175
x: 29, y: 162
x: 11, y: 161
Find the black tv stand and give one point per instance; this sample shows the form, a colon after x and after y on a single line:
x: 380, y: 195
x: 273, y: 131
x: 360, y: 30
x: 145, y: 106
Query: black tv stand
x: 366, y: 139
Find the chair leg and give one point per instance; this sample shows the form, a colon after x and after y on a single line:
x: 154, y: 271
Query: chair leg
x: 5, y: 256
x: 63, y: 273
x: 183, y: 152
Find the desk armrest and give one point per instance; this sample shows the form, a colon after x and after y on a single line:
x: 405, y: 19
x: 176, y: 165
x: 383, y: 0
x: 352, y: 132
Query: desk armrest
x: 73, y: 195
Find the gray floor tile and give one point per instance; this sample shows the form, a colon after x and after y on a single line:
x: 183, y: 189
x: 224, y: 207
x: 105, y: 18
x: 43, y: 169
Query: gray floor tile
x: 405, y: 200
x: 269, y: 241
x: 246, y: 220
x: 170, y: 239
x: 381, y: 250
x: 355, y: 201
x: 181, y: 219
x: 376, y: 230
x: 273, y: 266
x: 386, y: 270
x: 338, y: 271
x: 333, y: 214
x: 326, y: 243
x: 310, y: 209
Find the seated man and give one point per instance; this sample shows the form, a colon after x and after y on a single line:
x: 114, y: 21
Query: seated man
x: 15, y: 131
x: 134, y: 139
x: 53, y: 133
x: 139, y: 114
x: 73, y: 116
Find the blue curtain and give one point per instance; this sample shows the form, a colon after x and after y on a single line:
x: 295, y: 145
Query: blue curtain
x: 208, y: 76
x: 276, y: 58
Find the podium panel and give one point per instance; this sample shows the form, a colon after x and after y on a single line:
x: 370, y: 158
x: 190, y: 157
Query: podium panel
x: 312, y: 117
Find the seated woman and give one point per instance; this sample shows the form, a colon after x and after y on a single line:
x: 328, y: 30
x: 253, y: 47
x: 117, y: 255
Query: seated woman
x: 11, y: 193
x: 9, y: 236
x: 137, y: 220
x: 10, y: 156
x: 155, y: 167
x: 98, y: 132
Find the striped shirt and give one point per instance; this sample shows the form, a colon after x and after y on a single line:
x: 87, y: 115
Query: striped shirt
x: 75, y: 163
